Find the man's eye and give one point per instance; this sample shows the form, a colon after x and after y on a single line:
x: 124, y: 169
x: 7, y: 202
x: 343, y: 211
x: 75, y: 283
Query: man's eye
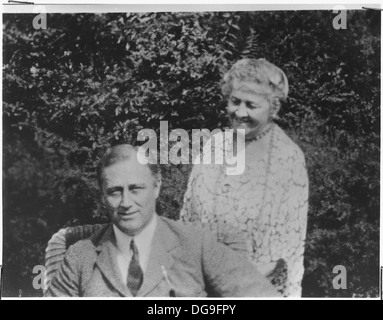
x: 135, y: 189
x: 114, y: 193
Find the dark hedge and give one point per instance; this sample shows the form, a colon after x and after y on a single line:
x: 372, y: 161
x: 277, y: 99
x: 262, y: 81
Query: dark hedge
x: 90, y: 81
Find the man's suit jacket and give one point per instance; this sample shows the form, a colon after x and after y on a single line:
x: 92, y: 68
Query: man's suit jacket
x: 184, y: 259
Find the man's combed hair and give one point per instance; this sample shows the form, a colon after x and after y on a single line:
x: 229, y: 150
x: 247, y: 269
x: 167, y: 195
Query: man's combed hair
x: 260, y: 72
x: 123, y: 152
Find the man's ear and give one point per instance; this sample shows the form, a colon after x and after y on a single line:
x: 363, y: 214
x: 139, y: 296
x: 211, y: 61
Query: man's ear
x: 157, y: 184
x: 102, y: 199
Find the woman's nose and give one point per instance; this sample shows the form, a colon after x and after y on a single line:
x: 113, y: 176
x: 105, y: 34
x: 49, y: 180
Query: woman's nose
x: 241, y: 111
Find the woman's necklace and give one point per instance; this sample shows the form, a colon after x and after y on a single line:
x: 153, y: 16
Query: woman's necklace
x: 262, y: 134
x: 223, y: 186
x: 267, y: 177
x: 268, y: 164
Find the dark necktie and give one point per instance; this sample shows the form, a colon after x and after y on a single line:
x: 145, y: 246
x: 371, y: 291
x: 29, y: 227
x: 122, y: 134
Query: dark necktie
x: 135, y: 274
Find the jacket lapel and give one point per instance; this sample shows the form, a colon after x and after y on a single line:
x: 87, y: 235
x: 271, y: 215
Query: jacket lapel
x: 161, y: 257
x: 107, y: 262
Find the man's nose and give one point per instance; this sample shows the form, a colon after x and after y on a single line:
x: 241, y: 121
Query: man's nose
x: 241, y: 112
x: 126, y: 201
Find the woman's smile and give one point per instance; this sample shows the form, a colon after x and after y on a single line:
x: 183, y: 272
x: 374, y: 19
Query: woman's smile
x: 248, y: 109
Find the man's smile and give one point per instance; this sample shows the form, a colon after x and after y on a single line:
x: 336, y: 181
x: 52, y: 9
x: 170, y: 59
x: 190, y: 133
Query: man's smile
x: 127, y: 214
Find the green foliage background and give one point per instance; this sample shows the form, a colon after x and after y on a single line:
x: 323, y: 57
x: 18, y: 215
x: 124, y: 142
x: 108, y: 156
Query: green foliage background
x: 93, y: 80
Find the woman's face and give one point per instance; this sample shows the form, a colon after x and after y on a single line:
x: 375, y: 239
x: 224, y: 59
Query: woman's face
x: 249, y: 108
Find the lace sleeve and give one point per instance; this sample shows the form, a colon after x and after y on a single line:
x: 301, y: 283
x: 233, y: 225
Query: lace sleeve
x: 296, y: 207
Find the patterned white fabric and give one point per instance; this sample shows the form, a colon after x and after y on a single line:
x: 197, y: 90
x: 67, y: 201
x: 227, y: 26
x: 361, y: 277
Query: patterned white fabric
x: 268, y: 202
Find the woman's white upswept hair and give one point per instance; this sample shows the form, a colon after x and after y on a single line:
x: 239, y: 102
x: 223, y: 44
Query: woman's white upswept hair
x: 258, y: 71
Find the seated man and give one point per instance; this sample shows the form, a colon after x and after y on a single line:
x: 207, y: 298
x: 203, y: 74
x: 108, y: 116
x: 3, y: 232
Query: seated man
x: 142, y: 254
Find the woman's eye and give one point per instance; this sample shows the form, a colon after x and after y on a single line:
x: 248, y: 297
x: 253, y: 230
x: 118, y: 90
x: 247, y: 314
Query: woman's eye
x: 251, y: 105
x: 235, y: 101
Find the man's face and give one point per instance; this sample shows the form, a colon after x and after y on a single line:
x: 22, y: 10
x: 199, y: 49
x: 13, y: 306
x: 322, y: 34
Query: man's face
x: 130, y: 192
x: 248, y: 109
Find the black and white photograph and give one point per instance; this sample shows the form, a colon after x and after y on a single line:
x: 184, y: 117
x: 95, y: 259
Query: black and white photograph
x: 194, y: 151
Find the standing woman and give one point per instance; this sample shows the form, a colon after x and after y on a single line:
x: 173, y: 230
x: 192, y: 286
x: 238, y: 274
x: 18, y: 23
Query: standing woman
x: 268, y: 202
